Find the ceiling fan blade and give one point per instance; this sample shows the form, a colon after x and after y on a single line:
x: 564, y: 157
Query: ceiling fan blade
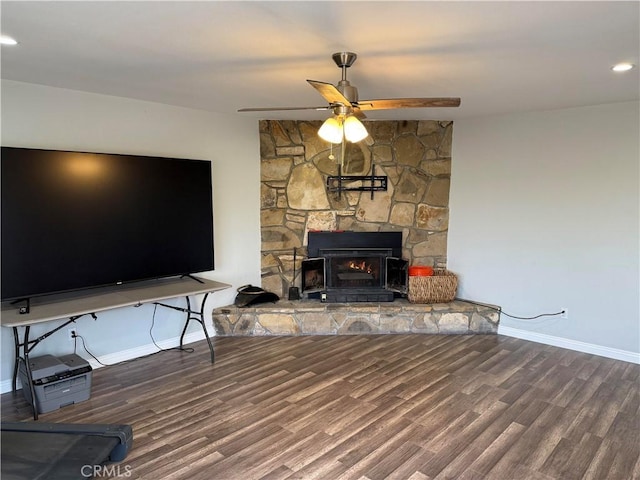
x: 392, y: 103
x: 330, y: 93
x: 358, y: 113
x: 269, y: 109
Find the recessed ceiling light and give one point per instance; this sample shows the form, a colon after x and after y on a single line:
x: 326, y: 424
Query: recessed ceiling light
x: 622, y: 67
x: 6, y: 40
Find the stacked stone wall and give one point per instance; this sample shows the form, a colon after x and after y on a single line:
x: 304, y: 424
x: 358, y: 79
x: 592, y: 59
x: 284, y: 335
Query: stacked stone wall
x: 295, y: 163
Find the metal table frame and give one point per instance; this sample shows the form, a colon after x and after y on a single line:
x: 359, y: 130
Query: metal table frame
x: 74, y: 306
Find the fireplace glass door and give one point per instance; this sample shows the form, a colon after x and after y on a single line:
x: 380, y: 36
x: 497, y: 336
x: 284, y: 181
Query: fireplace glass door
x: 313, y: 275
x: 397, y: 275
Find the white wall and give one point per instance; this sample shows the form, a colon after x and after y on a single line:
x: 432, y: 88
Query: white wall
x: 44, y: 117
x: 545, y: 216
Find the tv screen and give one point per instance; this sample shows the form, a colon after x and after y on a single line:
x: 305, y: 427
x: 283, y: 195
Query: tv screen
x: 73, y: 220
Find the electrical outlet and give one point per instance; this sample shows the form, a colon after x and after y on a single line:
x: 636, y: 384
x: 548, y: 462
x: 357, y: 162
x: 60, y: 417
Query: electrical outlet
x: 72, y: 333
x: 565, y: 313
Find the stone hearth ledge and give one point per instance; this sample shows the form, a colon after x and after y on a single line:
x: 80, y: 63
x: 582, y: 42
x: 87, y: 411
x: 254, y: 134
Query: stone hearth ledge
x: 309, y: 317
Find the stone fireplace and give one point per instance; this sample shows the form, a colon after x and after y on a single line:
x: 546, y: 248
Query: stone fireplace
x: 297, y: 209
x: 415, y: 158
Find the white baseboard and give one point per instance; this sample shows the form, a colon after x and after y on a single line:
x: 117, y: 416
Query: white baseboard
x: 616, y: 354
x: 117, y: 357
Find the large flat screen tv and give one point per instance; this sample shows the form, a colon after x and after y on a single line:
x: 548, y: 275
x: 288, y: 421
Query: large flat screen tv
x: 73, y: 220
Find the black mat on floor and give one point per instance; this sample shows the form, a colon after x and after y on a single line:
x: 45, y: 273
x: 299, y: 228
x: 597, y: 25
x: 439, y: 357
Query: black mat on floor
x: 57, y: 451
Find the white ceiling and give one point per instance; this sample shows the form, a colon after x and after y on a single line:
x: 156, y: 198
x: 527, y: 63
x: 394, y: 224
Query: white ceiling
x: 498, y: 57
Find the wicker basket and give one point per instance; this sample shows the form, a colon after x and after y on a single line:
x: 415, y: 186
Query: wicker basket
x: 441, y: 287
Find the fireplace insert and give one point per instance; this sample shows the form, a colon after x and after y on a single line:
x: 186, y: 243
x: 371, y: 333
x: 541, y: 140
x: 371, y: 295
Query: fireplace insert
x: 354, y: 267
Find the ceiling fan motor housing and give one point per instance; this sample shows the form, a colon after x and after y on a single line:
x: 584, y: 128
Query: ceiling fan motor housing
x: 350, y: 92
x: 344, y: 60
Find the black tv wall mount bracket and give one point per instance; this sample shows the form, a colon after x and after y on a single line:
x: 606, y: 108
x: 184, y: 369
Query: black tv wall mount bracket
x: 356, y: 183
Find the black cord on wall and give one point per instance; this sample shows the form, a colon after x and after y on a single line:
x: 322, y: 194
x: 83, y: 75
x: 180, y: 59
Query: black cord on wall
x: 501, y: 312
x: 76, y: 336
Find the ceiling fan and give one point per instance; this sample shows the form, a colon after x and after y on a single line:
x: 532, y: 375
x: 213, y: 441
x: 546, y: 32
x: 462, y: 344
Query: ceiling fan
x: 343, y: 98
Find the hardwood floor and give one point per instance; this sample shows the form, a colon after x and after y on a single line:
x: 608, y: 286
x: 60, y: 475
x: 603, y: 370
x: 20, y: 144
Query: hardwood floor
x: 368, y: 407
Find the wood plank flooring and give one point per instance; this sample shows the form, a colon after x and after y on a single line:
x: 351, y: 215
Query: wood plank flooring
x: 384, y: 407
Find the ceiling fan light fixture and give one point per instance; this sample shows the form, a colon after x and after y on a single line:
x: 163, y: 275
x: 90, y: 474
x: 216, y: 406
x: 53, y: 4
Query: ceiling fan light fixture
x: 331, y: 130
x: 354, y: 130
